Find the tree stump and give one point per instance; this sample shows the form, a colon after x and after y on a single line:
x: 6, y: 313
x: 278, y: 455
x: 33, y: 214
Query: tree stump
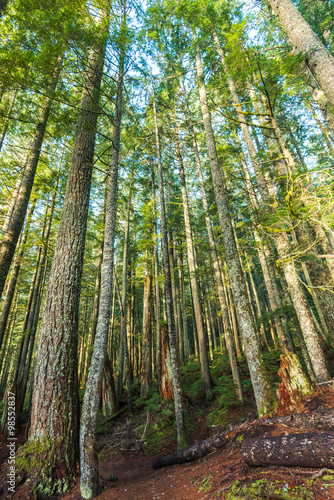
x: 295, y: 385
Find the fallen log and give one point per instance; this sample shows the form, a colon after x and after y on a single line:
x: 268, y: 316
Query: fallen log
x: 193, y: 452
x: 319, y: 420
x: 302, y: 450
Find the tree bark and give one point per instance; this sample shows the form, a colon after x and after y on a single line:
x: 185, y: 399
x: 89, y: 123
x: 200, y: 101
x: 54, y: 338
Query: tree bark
x: 318, y: 59
x: 177, y: 391
x: 203, y: 350
x: 89, y: 470
x: 193, y: 452
x: 146, y: 365
x: 55, y: 401
x: 294, y: 450
x: 264, y: 395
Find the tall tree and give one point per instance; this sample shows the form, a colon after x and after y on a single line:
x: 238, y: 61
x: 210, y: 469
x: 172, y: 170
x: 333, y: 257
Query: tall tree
x: 54, y: 430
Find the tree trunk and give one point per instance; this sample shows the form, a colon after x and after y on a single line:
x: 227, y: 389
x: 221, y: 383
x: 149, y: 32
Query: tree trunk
x: 7, y: 118
x: 165, y: 386
x: 123, y: 345
x: 318, y: 59
x: 177, y: 391
x: 156, y: 281
x: 89, y: 469
x: 96, y: 301
x: 146, y: 365
x: 14, y: 275
x: 109, y: 397
x: 55, y: 403
x: 230, y: 343
x: 294, y: 450
x: 264, y: 395
x: 9, y: 241
x: 203, y: 350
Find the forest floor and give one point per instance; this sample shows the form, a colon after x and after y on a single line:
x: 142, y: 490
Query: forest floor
x: 128, y: 446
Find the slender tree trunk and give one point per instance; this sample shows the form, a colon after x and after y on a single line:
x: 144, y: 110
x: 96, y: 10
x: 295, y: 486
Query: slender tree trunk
x: 156, y: 280
x: 264, y: 395
x: 14, y: 276
x: 89, y: 483
x: 55, y: 402
x: 9, y: 241
x: 96, y: 301
x: 230, y: 344
x: 123, y: 335
x: 203, y: 350
x: 183, y: 308
x: 177, y: 391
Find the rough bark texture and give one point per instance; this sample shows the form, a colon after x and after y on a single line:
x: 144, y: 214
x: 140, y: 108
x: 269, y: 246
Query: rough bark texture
x: 55, y: 403
x: 9, y: 241
x: 293, y: 450
x: 177, y: 391
x: 89, y: 470
x: 146, y: 363
x: 294, y: 386
x: 318, y: 59
x: 265, y: 398
x: 109, y: 398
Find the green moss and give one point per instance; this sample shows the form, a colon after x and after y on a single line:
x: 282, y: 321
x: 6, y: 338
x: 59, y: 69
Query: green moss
x: 41, y: 461
x: 264, y: 489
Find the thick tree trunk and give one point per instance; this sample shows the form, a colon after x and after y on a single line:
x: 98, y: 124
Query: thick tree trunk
x: 295, y: 288
x: 89, y: 469
x: 203, y: 350
x: 55, y: 403
x: 9, y: 241
x: 294, y: 450
x: 318, y: 59
x: 146, y: 363
x: 177, y: 391
x: 264, y: 395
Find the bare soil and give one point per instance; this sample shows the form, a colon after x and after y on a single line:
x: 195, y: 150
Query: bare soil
x: 209, y: 478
